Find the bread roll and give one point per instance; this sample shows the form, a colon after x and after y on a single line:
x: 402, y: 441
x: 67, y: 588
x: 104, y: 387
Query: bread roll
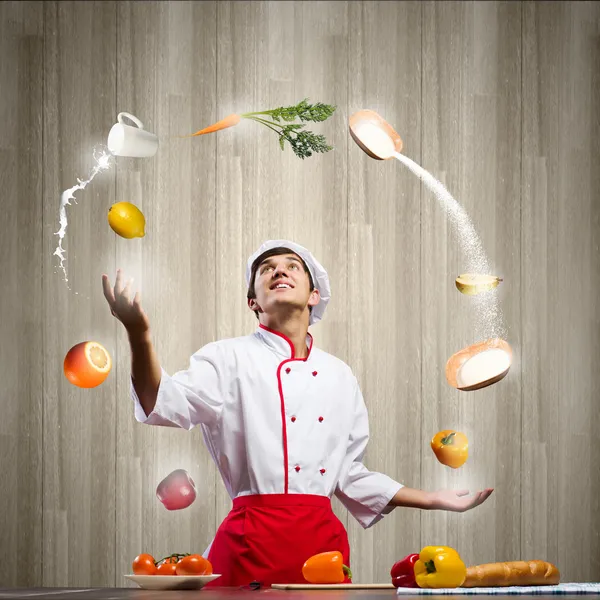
x: 519, y: 572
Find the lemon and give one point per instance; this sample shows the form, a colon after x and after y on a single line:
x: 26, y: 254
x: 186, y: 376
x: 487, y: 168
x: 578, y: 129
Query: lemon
x: 126, y: 220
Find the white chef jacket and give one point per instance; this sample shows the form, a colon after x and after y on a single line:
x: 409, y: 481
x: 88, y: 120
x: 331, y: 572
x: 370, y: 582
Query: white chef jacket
x: 276, y: 424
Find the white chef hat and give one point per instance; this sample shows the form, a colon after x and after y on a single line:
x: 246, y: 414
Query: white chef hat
x: 317, y: 272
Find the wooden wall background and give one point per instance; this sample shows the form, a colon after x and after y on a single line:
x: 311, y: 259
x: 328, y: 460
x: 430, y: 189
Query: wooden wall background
x: 499, y: 100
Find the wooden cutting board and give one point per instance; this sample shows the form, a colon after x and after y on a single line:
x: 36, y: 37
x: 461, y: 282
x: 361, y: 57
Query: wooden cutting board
x: 333, y: 586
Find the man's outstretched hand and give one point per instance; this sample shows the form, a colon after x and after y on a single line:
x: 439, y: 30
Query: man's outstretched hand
x: 129, y: 312
x: 458, y: 500
x: 454, y: 500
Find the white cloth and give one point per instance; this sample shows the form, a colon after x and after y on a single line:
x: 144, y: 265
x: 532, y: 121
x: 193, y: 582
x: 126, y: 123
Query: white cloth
x: 513, y: 590
x: 231, y: 389
x: 317, y: 271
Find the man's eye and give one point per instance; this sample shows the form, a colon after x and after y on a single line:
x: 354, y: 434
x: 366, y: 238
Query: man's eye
x: 294, y: 265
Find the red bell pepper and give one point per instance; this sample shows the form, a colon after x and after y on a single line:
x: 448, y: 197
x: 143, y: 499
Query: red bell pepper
x: 403, y: 572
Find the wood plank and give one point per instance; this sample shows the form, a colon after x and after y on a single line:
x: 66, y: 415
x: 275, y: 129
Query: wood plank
x: 593, y: 572
x: 318, y: 185
x: 442, y: 28
x: 494, y: 162
x: 560, y: 233
x: 79, y: 424
x: 241, y: 56
x: 166, y: 75
x: 384, y: 295
x: 262, y: 192
x: 539, y: 258
x: 579, y: 456
x: 21, y: 305
x: 471, y: 134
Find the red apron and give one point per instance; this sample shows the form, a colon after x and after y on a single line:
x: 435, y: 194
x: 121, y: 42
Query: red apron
x: 269, y: 537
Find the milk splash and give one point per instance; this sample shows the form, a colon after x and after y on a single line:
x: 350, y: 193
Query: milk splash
x: 104, y: 160
x: 486, y: 304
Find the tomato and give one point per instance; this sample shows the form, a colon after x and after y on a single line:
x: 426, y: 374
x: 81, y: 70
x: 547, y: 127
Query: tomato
x: 209, y: 568
x: 144, y: 565
x: 194, y: 564
x: 167, y: 568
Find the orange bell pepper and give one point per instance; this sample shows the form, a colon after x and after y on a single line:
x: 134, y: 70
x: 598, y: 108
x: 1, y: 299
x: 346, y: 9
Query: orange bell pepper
x: 451, y: 448
x: 326, y: 567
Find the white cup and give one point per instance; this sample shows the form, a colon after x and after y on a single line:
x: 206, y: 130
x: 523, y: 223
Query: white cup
x: 125, y: 140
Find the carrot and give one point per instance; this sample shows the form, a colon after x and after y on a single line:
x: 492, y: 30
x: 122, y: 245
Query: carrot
x: 303, y: 143
x: 228, y: 121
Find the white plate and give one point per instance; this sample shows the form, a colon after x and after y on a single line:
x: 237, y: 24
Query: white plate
x: 172, y: 582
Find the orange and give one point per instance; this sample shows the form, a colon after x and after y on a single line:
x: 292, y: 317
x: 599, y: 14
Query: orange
x: 87, y: 364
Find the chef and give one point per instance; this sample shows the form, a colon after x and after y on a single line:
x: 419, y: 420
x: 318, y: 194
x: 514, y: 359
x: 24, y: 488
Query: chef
x: 284, y: 421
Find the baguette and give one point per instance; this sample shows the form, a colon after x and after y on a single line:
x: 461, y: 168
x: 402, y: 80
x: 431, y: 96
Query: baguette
x: 505, y: 574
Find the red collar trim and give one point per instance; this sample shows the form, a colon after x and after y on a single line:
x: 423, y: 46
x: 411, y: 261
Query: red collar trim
x: 287, y: 339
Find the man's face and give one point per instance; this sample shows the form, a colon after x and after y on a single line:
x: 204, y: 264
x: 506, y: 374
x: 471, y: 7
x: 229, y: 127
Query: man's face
x: 281, y: 284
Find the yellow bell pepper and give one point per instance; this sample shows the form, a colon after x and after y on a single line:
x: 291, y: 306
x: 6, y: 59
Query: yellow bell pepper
x: 440, y: 567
